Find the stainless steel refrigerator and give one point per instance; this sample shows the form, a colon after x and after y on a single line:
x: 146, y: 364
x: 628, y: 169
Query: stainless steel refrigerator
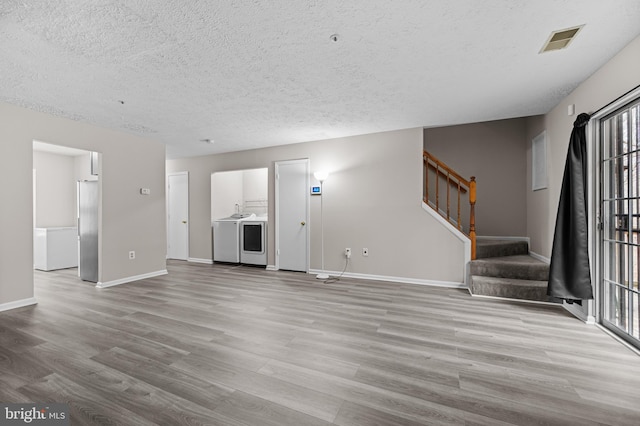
x: 88, y: 230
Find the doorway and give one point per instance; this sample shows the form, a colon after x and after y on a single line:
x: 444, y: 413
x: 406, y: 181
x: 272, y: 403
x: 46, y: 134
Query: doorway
x: 178, y: 216
x: 619, y: 294
x: 58, y: 172
x: 240, y: 202
x: 292, y: 215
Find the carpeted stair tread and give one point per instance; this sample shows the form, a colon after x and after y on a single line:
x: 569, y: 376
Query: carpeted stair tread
x: 522, y: 267
x: 509, y: 288
x: 492, y: 247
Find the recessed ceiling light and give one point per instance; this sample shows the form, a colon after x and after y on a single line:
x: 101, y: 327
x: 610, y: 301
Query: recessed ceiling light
x: 334, y: 38
x: 209, y: 141
x: 560, y: 39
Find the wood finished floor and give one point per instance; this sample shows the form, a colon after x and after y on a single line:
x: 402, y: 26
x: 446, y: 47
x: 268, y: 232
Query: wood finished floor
x: 231, y: 345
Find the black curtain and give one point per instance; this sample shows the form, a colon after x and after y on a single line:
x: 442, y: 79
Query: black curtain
x: 569, y: 275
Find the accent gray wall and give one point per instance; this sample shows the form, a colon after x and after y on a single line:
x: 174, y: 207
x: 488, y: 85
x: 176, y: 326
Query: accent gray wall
x: 372, y: 199
x: 495, y: 153
x: 620, y: 75
x: 129, y: 221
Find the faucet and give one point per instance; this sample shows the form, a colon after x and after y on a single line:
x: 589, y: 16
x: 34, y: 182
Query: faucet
x: 237, y: 208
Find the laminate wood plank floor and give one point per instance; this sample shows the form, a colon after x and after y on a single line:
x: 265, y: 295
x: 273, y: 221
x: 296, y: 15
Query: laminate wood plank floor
x: 236, y: 345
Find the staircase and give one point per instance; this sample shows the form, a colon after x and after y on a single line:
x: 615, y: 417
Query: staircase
x: 504, y: 268
x: 498, y: 267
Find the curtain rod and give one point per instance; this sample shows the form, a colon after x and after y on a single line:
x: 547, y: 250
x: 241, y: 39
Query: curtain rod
x: 614, y: 101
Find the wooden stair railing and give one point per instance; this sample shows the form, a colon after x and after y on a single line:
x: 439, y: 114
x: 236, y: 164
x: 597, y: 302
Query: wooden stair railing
x: 457, y: 184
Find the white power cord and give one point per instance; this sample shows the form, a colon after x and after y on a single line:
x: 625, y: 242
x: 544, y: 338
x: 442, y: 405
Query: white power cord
x: 332, y: 280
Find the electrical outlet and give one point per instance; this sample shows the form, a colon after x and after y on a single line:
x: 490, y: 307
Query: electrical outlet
x: 132, y: 255
x: 365, y: 252
x: 347, y: 252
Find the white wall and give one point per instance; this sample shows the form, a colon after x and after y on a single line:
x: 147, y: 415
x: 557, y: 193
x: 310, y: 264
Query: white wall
x: 372, y: 199
x: 244, y: 191
x: 255, y: 191
x: 129, y: 221
x: 226, y: 193
x: 56, y: 187
x: 55, y: 190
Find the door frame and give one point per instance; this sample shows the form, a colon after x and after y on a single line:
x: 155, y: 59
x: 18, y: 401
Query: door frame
x: 595, y: 308
x: 73, y: 152
x: 169, y: 175
x: 278, y: 210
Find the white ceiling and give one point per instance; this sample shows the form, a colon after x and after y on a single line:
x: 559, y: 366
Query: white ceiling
x: 253, y: 73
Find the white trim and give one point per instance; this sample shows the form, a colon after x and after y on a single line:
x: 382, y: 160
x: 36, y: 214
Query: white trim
x: 458, y: 234
x: 131, y: 279
x: 540, y: 257
x: 402, y: 280
x: 198, y: 260
x: 510, y: 299
x: 539, y: 167
x: 271, y: 268
x: 18, y: 304
x: 578, y: 312
x: 594, y: 307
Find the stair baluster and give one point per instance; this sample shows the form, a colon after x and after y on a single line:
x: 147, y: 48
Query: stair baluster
x: 460, y: 185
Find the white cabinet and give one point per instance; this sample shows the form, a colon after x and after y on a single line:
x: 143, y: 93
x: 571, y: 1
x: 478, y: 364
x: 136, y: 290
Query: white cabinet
x: 55, y: 248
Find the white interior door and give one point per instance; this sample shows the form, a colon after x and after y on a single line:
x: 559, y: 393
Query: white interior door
x: 178, y: 216
x: 292, y: 215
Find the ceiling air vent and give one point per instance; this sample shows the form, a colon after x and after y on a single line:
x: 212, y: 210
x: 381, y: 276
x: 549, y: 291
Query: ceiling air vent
x: 560, y: 39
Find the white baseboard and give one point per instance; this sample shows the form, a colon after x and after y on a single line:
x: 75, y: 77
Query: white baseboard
x: 271, y: 268
x: 509, y: 299
x: 539, y: 257
x: 197, y: 260
x: 131, y: 279
x: 18, y: 304
x: 403, y: 280
x: 576, y: 310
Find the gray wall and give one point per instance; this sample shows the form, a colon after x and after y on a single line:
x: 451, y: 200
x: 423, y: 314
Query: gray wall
x: 372, y: 199
x: 495, y: 153
x: 129, y: 221
x: 620, y: 75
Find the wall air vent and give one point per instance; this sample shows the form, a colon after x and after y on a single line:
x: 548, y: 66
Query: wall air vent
x: 560, y: 39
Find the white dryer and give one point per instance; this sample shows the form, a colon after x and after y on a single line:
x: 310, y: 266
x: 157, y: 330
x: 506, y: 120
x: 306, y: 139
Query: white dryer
x: 226, y: 237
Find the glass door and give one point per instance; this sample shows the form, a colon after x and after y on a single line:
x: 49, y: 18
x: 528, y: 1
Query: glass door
x: 620, y: 301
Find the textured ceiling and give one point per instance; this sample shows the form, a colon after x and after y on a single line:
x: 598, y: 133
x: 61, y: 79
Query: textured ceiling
x: 257, y: 73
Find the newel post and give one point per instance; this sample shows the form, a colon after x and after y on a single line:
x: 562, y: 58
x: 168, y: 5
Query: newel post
x: 472, y: 216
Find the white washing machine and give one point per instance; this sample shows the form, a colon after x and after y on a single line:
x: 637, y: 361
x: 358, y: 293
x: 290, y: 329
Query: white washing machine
x: 253, y: 241
x: 226, y: 237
